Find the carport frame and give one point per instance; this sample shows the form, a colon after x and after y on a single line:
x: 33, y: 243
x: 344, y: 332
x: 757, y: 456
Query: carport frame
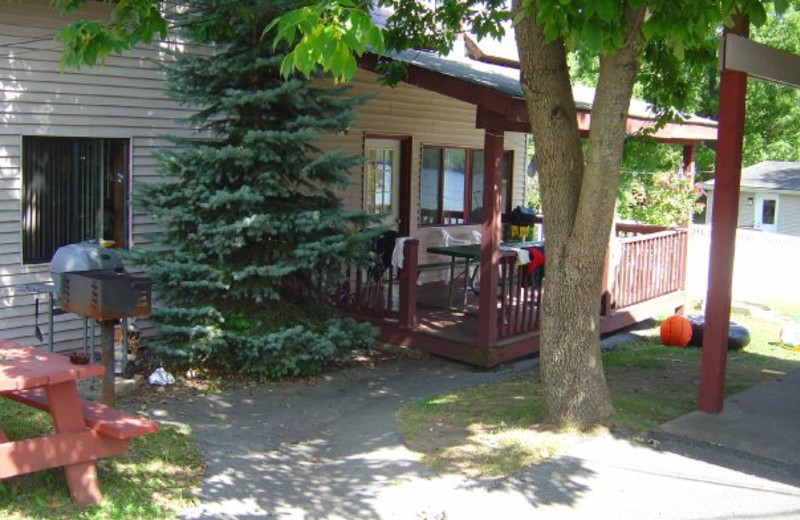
x: 739, y: 58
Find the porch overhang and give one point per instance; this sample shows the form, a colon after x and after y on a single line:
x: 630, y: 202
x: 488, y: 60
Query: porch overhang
x: 496, y: 93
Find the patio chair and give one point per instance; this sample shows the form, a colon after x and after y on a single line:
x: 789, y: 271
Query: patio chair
x: 450, y: 240
x: 474, y: 270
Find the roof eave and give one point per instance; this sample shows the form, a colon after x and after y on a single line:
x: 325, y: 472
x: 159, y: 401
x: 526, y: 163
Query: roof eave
x: 501, y: 110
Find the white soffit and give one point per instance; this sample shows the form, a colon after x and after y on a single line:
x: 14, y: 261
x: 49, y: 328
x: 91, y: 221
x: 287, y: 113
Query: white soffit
x: 759, y: 60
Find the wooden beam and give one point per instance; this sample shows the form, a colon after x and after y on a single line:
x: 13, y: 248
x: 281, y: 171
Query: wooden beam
x: 670, y: 133
x: 737, y: 53
x: 486, y: 118
x: 732, y: 93
x: 490, y: 238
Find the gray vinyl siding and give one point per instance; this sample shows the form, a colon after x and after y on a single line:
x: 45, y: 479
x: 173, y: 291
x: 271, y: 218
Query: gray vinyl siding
x: 789, y: 214
x: 122, y: 99
x: 746, y: 209
x: 745, y: 218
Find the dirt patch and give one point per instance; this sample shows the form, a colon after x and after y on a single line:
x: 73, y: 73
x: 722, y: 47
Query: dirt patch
x: 194, y: 384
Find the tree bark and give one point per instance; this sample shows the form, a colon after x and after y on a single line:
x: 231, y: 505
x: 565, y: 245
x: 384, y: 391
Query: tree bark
x: 578, y: 196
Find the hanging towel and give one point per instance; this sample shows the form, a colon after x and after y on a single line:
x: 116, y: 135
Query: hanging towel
x: 397, y: 254
x: 523, y: 257
x: 537, y: 259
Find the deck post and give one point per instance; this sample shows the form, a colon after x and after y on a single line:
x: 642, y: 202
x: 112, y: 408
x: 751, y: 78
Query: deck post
x: 490, y: 237
x: 408, y: 284
x: 605, y: 298
x: 688, y: 168
x: 724, y: 214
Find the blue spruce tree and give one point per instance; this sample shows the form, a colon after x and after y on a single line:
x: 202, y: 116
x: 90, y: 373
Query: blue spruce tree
x: 253, y: 235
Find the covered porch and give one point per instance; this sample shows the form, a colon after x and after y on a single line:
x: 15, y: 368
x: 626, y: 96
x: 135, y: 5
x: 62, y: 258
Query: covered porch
x: 645, y: 274
x: 645, y: 266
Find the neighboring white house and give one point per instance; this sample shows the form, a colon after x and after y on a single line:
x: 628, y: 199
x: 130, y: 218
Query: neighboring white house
x: 769, y: 197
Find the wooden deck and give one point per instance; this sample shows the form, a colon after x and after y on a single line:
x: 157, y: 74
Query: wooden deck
x: 647, y: 279
x: 434, y: 316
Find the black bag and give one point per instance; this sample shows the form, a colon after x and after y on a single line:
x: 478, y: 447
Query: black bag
x: 383, y: 248
x: 523, y: 216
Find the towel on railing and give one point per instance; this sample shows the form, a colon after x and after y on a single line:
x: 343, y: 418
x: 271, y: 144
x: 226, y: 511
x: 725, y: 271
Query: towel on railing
x: 397, y: 254
x: 522, y: 254
x: 537, y: 259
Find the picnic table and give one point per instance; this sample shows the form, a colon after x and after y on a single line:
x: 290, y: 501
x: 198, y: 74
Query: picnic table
x: 472, y: 253
x: 84, y: 430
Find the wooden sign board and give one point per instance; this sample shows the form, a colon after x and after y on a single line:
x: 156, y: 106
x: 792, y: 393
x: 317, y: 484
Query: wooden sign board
x: 759, y: 60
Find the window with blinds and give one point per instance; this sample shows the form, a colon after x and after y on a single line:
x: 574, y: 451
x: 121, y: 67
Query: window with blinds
x: 73, y: 189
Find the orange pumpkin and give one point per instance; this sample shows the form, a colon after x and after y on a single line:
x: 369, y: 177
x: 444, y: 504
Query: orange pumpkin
x: 676, y: 331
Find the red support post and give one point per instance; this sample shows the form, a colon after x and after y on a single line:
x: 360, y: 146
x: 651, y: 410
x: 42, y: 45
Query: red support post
x: 491, y: 234
x: 408, y: 284
x: 732, y: 93
x: 605, y: 298
x: 688, y: 167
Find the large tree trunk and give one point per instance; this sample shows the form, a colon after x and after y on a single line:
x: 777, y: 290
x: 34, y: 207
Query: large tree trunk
x: 578, y: 195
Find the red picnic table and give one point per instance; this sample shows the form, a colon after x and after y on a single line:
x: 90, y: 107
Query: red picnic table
x: 84, y: 430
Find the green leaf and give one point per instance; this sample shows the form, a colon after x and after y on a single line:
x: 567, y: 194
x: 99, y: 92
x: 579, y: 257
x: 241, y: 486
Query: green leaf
x: 678, y: 50
x: 758, y: 16
x: 374, y: 39
x: 287, y: 65
x: 338, y: 59
x: 593, y: 36
x: 349, y: 69
x: 605, y: 10
x: 271, y: 25
x: 781, y: 6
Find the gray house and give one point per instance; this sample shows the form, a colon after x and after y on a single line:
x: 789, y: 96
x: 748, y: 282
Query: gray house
x: 769, y: 198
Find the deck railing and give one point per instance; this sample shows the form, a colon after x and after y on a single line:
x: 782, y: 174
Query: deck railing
x: 643, y: 265
x: 520, y: 299
x: 622, y: 229
x: 647, y: 266
x: 382, y: 293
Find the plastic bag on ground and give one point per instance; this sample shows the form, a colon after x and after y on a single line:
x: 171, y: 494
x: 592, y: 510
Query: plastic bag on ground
x: 161, y: 377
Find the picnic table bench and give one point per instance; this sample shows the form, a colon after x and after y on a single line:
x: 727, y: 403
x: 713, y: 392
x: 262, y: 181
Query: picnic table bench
x: 84, y: 430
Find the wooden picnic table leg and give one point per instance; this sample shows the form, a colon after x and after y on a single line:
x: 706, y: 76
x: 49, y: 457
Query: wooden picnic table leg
x: 65, y: 409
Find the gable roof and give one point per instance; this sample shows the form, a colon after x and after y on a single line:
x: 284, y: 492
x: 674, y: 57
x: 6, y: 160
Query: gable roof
x: 495, y: 89
x: 768, y: 175
x: 505, y: 79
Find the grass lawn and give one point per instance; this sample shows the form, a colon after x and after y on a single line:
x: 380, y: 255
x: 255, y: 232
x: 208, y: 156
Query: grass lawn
x: 153, y: 481
x: 498, y: 429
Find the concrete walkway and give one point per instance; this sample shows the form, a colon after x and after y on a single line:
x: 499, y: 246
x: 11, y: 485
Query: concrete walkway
x: 332, y: 451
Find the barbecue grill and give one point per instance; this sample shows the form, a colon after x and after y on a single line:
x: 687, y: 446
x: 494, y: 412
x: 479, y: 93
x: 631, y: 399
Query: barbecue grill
x: 105, y: 295
x: 83, y: 256
x: 92, y: 283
